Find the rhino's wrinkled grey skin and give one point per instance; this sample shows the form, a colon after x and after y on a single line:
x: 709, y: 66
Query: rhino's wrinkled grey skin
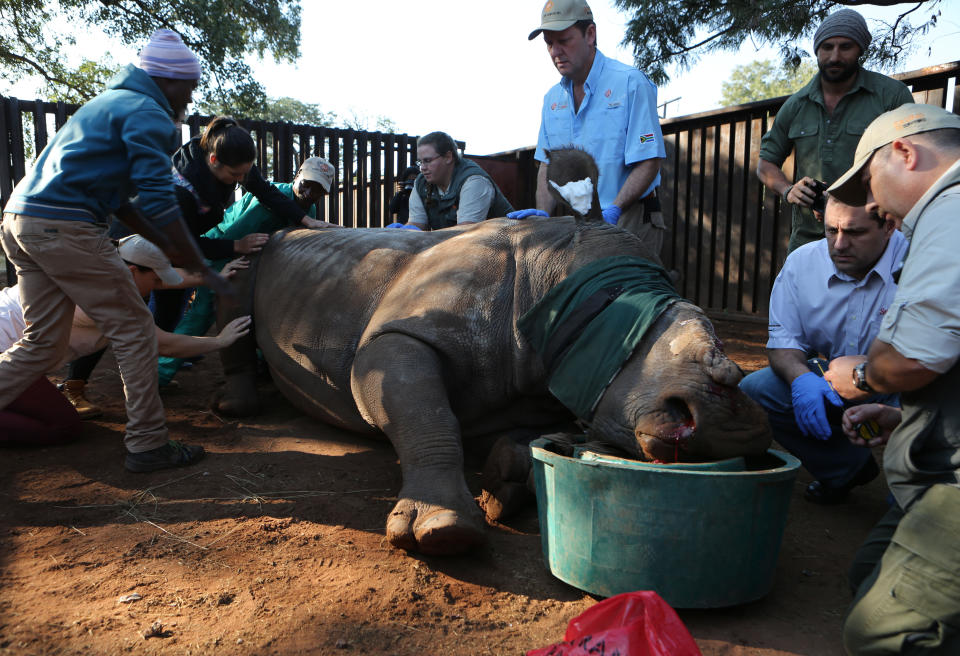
x: 414, y: 334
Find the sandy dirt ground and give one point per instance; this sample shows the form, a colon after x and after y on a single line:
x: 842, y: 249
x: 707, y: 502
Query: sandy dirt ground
x: 274, y: 544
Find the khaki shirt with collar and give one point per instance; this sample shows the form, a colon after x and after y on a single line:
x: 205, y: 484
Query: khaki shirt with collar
x: 924, y: 319
x: 825, y: 143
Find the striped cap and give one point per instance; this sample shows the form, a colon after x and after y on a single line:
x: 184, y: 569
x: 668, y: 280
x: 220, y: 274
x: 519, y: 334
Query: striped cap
x: 167, y: 56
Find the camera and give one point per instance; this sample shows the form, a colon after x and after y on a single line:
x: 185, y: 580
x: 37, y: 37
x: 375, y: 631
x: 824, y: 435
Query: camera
x: 819, y: 189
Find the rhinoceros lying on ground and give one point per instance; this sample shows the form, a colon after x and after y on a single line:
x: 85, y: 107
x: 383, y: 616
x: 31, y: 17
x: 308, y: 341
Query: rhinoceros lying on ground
x: 414, y: 334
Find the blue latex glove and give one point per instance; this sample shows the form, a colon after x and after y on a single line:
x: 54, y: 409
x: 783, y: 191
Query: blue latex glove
x: 612, y: 214
x: 522, y: 214
x: 808, y: 392
x: 402, y: 226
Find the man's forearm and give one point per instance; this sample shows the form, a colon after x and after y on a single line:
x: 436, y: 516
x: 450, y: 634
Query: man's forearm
x: 772, y: 177
x: 175, y: 345
x: 133, y: 218
x: 887, y: 371
x: 788, y: 363
x: 642, y: 175
x: 182, y: 247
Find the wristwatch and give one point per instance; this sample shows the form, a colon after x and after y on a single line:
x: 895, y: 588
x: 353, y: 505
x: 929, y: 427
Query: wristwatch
x: 786, y: 192
x: 860, y: 378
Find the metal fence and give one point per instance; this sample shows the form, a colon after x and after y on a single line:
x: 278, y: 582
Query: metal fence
x: 368, y: 163
x: 727, y: 237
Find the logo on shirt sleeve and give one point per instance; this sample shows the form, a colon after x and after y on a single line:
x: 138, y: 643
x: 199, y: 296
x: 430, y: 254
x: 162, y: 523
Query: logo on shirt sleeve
x: 647, y: 138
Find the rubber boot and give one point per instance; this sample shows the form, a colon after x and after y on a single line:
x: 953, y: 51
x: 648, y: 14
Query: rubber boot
x: 73, y: 390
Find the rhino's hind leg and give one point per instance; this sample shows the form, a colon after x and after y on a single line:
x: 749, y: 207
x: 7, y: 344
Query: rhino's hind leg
x: 507, y: 486
x: 398, y: 385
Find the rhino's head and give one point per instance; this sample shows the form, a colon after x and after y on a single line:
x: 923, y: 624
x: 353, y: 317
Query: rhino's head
x: 676, y: 398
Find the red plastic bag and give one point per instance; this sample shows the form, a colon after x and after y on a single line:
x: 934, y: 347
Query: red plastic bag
x: 628, y: 624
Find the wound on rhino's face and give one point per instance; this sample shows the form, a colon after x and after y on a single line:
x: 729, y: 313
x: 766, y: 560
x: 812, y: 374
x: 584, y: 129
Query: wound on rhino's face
x: 676, y: 399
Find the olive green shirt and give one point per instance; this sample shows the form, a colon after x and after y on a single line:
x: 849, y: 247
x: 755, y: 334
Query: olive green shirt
x: 825, y: 144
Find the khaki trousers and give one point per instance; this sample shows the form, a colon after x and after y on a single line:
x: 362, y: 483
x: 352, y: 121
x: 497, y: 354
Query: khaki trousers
x: 62, y: 264
x: 910, y: 602
x: 647, y: 225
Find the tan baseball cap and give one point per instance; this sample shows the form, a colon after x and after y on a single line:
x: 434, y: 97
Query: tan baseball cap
x: 318, y: 169
x: 903, y: 121
x: 558, y: 15
x: 137, y: 250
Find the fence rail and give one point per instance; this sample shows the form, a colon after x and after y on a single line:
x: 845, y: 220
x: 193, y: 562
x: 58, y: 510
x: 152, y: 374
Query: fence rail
x: 728, y: 238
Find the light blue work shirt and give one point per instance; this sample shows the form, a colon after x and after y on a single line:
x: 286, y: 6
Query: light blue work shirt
x: 815, y: 308
x: 617, y: 122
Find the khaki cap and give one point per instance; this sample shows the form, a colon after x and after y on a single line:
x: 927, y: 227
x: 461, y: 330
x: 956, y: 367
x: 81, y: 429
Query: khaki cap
x: 317, y: 169
x: 903, y: 121
x: 558, y: 15
x: 137, y: 250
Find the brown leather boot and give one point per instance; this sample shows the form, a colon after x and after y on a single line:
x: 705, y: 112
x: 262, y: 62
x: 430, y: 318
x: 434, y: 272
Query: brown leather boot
x: 73, y: 390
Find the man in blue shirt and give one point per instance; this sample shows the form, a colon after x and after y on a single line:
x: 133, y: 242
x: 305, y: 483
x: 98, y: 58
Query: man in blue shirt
x: 610, y: 110
x: 829, y: 299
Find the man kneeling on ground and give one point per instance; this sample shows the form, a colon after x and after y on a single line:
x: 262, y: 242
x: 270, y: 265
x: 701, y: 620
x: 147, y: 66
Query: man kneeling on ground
x: 828, y: 300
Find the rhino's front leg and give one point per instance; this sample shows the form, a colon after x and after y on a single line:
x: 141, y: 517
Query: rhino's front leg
x: 239, y: 395
x: 398, y: 385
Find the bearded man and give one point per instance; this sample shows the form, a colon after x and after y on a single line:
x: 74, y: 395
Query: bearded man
x: 824, y: 121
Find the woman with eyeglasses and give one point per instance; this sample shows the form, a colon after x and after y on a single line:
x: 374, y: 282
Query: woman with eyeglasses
x: 451, y: 190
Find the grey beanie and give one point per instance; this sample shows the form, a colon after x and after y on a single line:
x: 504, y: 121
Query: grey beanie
x: 846, y: 23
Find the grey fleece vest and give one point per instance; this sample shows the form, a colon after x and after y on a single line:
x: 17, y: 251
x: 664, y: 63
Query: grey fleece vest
x: 442, y: 208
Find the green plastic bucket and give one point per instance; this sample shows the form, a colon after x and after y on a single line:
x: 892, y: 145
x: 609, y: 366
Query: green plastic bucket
x: 701, y: 536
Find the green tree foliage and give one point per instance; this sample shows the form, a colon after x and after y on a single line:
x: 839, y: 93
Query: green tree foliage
x: 764, y: 79
x: 677, y: 33
x: 298, y: 112
x: 274, y: 110
x: 34, y: 34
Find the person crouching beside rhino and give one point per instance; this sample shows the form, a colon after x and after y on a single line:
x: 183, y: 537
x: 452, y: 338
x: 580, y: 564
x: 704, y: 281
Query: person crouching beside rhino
x: 250, y: 216
x: 828, y: 299
x: 451, y: 190
x: 41, y: 415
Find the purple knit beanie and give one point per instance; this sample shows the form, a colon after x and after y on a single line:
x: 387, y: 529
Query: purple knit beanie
x: 167, y: 56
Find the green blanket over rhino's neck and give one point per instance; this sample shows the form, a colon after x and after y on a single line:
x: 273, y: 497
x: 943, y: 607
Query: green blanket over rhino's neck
x: 587, y: 326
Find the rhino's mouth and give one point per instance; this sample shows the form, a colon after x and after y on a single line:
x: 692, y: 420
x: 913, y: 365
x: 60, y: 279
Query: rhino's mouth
x: 669, y: 440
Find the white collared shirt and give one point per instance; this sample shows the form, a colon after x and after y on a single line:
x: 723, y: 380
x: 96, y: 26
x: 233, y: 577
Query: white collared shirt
x: 815, y: 308
x: 11, y: 317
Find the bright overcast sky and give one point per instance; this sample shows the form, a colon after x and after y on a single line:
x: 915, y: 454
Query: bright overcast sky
x: 468, y: 68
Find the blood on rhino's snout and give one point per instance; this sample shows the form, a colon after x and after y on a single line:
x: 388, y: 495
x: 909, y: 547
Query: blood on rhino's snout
x: 722, y: 424
x: 668, y: 439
